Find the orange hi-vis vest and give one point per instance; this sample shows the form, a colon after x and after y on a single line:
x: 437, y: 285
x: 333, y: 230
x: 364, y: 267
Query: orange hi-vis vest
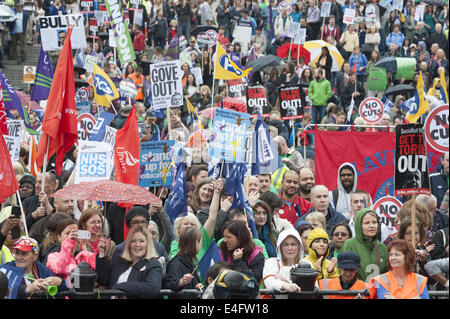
x: 137, y: 81
x: 335, y: 284
x: 414, y: 285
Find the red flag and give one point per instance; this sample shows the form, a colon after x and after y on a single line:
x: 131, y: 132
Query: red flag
x: 3, y: 125
x: 59, y: 126
x: 127, y: 152
x: 354, y: 68
x: 8, y: 181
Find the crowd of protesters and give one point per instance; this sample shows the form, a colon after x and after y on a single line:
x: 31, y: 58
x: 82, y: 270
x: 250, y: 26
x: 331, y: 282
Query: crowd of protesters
x: 296, y: 220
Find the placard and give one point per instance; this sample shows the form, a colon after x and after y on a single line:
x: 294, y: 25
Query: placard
x: 94, y: 162
x: 14, y: 138
x: 111, y: 39
x: 236, y: 88
x: 411, y: 165
x: 397, y: 5
x: 291, y: 102
x: 437, y: 129
x: 349, y: 15
x: 155, y: 167
x: 85, y: 124
x: 371, y: 110
x: 197, y: 72
x: 167, y: 89
x: 325, y: 9
x: 284, y: 5
x: 242, y: 33
x: 127, y: 88
x: 29, y: 74
x: 387, y: 208
x: 228, y: 134
x: 301, y: 36
x: 110, y: 136
x: 90, y: 62
x: 257, y: 101
x: 53, y: 28
x: 293, y: 29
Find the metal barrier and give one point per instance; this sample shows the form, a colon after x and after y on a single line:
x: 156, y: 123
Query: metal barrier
x: 196, y: 294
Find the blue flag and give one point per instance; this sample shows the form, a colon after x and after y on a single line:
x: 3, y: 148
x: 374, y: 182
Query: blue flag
x: 98, y: 133
x: 266, y: 159
x: 410, y: 105
x: 211, y: 256
x: 44, y: 77
x: 12, y: 101
x: 14, y: 275
x: 178, y: 201
x: 387, y: 103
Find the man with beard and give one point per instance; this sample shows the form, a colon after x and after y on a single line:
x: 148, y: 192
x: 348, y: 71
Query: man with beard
x: 347, y: 181
x: 294, y: 206
x: 307, y: 181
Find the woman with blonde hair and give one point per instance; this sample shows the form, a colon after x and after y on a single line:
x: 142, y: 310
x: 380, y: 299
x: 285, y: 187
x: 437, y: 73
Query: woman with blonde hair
x: 137, y: 271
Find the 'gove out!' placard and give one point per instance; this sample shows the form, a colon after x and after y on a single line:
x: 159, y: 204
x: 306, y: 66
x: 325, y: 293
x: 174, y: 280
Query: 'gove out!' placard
x: 167, y: 89
x: 411, y: 166
x: 154, y: 165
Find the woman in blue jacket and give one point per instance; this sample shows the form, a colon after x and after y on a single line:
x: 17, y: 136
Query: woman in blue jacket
x: 361, y: 63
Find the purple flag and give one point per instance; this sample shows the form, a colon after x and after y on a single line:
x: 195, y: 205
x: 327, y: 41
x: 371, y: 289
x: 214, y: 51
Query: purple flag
x: 172, y: 50
x: 44, y: 77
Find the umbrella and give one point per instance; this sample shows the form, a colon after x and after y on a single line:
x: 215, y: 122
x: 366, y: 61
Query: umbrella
x: 235, y: 104
x: 107, y: 191
x: 6, y: 14
x: 79, y: 68
x: 401, y: 88
x: 315, y: 48
x: 26, y: 100
x: 207, y: 113
x: 203, y: 28
x: 264, y: 61
x: 389, y: 63
x: 283, y: 52
x: 80, y: 83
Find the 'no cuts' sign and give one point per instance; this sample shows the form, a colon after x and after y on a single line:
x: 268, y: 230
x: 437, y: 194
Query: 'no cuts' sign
x: 436, y: 128
x: 371, y: 110
x: 85, y: 124
x: 387, y: 208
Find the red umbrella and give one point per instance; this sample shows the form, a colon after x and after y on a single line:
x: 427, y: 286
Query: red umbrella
x: 107, y: 191
x: 25, y: 98
x: 235, y: 104
x: 283, y: 52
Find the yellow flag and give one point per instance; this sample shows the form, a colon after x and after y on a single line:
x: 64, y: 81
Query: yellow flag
x: 227, y: 69
x: 104, y: 89
x: 421, y: 100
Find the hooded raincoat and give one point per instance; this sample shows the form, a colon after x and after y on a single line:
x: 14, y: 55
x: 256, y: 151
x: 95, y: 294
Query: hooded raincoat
x: 343, y: 199
x: 373, y: 254
x: 275, y: 268
x: 312, y: 257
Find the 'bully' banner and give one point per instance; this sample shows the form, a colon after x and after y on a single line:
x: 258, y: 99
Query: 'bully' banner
x: 94, y: 162
x: 411, y: 165
x: 372, y: 154
x: 228, y: 135
x: 167, y: 89
x: 236, y: 88
x: 257, y: 101
x: 154, y: 165
x: 291, y: 98
x: 54, y: 30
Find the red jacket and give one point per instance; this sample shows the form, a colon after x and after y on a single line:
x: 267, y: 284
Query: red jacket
x: 139, y: 41
x: 298, y: 208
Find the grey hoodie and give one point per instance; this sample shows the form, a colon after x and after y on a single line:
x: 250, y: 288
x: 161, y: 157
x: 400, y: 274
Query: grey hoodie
x: 343, y: 202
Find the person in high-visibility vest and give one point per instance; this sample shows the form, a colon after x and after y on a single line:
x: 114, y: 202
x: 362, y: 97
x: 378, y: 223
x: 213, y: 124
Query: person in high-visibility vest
x: 138, y: 80
x: 348, y: 263
x: 400, y: 282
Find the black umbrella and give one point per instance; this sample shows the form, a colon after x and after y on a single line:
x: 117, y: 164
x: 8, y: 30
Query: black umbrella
x: 389, y: 63
x: 202, y: 28
x: 80, y: 83
x: 79, y: 69
x: 401, y: 88
x: 265, y: 61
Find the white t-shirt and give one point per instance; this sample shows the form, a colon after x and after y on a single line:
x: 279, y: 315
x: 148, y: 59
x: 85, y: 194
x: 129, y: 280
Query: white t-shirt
x: 19, y: 22
x: 124, y: 276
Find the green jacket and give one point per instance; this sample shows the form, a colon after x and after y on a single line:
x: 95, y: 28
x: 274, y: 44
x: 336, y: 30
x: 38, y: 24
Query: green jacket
x: 370, y: 266
x: 320, y: 92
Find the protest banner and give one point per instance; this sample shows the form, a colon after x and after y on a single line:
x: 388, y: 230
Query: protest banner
x: 54, y: 28
x: 14, y: 138
x: 325, y: 9
x: 349, y: 15
x: 98, y: 133
x: 85, y: 126
x: 155, y: 167
x: 90, y: 62
x: 371, y: 110
x: 242, y: 33
x: 86, y: 6
x: 29, y: 74
x: 83, y: 107
x: 387, y: 208
x: 135, y: 5
x: 127, y: 88
x: 122, y: 36
x: 13, y: 147
x: 94, y: 162
x: 418, y: 14
x: 228, y: 135
x: 411, y: 164
x: 93, y: 28
x: 436, y: 129
x: 203, y: 38
x: 213, y: 36
x: 300, y: 37
x: 111, y: 39
x: 293, y: 29
x: 291, y: 106
x: 235, y: 88
x: 397, y: 5
x: 284, y: 5
x: 197, y: 72
x: 110, y: 136
x: 257, y: 101
x: 167, y: 89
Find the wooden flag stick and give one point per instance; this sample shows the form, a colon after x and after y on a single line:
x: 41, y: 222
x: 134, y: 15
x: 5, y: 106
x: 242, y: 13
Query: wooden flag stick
x: 44, y: 167
x: 22, y: 212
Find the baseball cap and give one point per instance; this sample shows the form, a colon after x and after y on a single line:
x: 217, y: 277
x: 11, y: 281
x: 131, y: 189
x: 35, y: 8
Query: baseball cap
x: 348, y: 260
x: 26, y: 244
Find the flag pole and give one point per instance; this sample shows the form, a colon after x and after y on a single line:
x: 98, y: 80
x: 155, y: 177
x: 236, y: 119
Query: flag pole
x: 22, y: 213
x: 214, y: 77
x: 44, y: 167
